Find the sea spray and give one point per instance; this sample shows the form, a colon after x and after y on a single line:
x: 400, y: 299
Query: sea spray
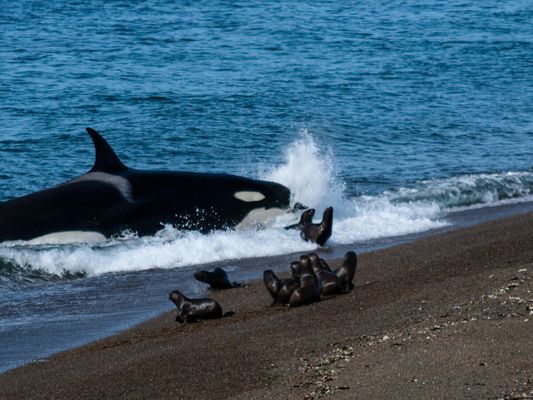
x: 308, y: 171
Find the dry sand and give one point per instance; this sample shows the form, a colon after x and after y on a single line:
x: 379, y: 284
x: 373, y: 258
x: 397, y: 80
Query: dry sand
x: 449, y: 316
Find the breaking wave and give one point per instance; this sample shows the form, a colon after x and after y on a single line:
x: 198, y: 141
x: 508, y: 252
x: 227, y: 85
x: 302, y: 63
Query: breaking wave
x: 419, y: 207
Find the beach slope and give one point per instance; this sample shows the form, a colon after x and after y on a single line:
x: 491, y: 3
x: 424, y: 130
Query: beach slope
x: 447, y: 316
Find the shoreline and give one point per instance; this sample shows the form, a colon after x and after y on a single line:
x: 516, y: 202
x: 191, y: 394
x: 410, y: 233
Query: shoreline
x: 431, y: 286
x: 120, y: 307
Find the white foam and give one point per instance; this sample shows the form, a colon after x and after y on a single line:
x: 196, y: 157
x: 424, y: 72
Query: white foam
x: 155, y: 252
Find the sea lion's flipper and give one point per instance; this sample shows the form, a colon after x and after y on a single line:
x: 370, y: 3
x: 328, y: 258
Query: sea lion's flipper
x: 299, y: 207
x: 293, y: 226
x: 106, y: 159
x: 228, y: 314
x: 324, y: 264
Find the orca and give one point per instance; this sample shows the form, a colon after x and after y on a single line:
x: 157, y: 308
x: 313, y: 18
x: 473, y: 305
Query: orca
x: 112, y: 198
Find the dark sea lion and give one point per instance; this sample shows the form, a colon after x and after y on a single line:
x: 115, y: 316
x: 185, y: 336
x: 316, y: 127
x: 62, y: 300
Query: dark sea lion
x: 218, y: 279
x: 309, y: 290
x: 325, y: 265
x: 295, y: 269
x: 329, y: 281
x: 272, y: 283
x: 319, y: 233
x: 346, y: 271
x: 280, y: 289
x: 287, y: 289
x: 305, y: 218
x: 190, y: 310
x: 300, y: 267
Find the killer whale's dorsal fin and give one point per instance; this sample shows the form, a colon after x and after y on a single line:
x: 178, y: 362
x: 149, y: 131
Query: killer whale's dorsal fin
x: 106, y: 159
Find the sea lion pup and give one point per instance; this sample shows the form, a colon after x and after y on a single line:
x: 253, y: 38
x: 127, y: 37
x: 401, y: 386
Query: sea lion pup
x: 295, y: 269
x: 309, y: 290
x: 190, y: 310
x: 329, y: 281
x: 272, y: 283
x: 287, y: 289
x: 319, y: 233
x: 346, y: 271
x: 218, y: 279
x: 280, y: 289
x: 305, y: 218
x: 324, y: 264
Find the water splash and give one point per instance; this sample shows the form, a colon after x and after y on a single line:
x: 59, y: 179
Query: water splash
x: 310, y: 173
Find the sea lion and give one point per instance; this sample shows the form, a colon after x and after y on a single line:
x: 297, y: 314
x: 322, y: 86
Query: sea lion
x: 305, y: 218
x: 272, y: 283
x: 309, y: 290
x: 295, y: 269
x: 325, y: 265
x: 346, y: 271
x: 329, y: 281
x: 319, y: 233
x: 218, y: 279
x: 287, y: 289
x: 190, y: 310
x: 280, y: 289
x: 300, y: 267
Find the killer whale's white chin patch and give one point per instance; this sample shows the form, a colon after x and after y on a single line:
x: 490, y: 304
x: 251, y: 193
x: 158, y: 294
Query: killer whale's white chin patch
x: 258, y: 217
x: 69, y: 237
x: 249, y: 196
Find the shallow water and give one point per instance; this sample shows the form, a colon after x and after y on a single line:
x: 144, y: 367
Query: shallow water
x: 397, y: 114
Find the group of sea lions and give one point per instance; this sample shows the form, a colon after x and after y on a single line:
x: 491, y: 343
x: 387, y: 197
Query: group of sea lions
x: 311, y: 276
x: 311, y: 279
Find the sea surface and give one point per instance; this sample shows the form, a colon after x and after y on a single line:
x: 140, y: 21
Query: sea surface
x: 399, y: 114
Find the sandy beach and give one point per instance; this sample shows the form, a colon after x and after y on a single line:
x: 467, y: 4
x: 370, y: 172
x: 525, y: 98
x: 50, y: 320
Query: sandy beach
x: 448, y: 316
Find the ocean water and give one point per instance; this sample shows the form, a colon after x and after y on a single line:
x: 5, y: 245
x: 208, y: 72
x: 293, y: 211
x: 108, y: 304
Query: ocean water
x: 398, y: 114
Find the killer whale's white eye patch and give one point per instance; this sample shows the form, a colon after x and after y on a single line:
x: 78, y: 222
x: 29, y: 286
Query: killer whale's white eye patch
x: 249, y: 196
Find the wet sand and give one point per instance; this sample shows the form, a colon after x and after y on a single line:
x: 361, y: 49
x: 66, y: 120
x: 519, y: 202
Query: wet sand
x: 447, y: 316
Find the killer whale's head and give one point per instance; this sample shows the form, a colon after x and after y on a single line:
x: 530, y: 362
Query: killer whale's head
x: 264, y: 201
x: 267, y: 194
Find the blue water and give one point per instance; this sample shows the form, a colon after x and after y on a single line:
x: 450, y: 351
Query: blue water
x: 397, y: 113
